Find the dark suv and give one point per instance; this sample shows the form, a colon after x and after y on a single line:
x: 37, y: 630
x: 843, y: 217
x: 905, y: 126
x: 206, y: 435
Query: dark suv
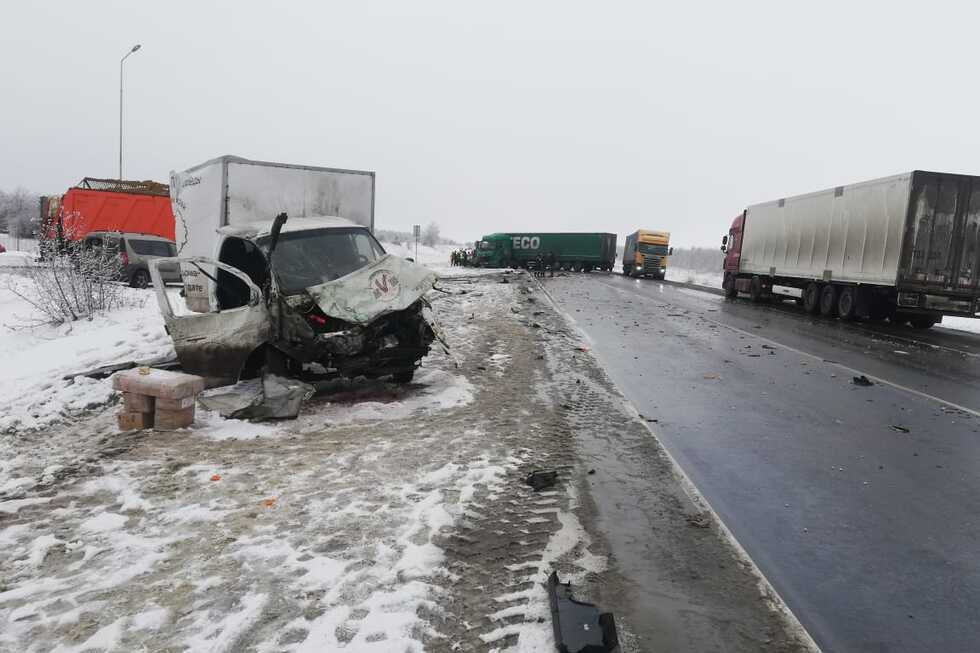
x: 135, y: 251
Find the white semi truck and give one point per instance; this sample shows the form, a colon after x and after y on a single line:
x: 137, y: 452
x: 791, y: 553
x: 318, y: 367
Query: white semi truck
x: 281, y: 273
x: 904, y: 248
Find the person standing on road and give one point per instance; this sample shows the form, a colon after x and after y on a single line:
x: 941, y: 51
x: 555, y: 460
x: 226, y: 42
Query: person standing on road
x: 552, y: 261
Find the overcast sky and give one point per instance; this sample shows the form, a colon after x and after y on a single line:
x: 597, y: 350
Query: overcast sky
x: 501, y: 116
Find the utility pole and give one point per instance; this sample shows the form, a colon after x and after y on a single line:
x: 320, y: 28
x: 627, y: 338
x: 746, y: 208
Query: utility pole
x: 134, y: 49
x: 417, y: 231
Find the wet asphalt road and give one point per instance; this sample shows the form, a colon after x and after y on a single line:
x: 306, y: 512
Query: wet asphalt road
x: 861, y: 505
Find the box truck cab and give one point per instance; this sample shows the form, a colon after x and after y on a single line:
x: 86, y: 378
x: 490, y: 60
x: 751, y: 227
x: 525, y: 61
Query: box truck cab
x: 275, y: 281
x: 645, y: 254
x: 904, y: 248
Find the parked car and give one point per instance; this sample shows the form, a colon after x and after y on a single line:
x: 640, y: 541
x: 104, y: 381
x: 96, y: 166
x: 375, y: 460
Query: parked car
x: 2, y: 248
x: 135, y: 252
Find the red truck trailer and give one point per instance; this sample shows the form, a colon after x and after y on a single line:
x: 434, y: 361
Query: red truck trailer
x: 141, y: 207
x: 905, y: 248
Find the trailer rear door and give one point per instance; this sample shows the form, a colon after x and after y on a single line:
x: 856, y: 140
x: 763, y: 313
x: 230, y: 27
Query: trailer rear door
x: 941, y: 241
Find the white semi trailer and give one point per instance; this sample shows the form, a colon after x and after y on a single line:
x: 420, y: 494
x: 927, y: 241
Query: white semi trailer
x: 904, y: 248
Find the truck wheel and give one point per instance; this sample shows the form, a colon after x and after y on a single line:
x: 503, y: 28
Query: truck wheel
x: 140, y: 279
x: 828, y: 300
x: 923, y: 322
x: 755, y: 290
x: 847, y: 303
x: 729, y: 286
x: 576, y: 267
x: 811, y: 298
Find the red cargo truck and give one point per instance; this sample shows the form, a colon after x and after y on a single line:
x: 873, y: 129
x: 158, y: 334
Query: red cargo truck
x: 140, y: 207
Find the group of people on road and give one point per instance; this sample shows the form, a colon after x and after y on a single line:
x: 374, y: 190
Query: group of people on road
x: 460, y: 257
x: 545, y: 262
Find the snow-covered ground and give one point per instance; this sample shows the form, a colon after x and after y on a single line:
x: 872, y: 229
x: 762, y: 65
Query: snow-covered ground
x: 34, y: 357
x: 331, y: 532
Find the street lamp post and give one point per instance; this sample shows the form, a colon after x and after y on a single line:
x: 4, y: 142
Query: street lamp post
x: 132, y: 50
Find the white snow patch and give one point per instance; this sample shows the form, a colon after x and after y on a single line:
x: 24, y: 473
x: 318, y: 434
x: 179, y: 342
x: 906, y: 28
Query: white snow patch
x: 103, y: 522
x: 33, y: 393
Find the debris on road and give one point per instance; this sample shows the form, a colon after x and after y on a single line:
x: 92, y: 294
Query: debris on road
x: 579, y: 627
x: 900, y: 429
x: 862, y: 381
x: 542, y: 479
x: 269, y: 397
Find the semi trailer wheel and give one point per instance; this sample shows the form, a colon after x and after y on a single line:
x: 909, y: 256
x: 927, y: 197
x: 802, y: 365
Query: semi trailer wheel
x: 828, y: 300
x: 755, y: 290
x: 847, y: 303
x: 811, y: 298
x: 729, y: 286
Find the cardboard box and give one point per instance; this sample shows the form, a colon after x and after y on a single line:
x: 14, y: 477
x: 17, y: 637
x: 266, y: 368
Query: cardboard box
x: 136, y: 403
x: 163, y: 384
x: 175, y: 404
x: 134, y: 421
x: 171, y: 420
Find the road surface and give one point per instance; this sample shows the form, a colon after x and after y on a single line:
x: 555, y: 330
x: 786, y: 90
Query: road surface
x: 860, y: 504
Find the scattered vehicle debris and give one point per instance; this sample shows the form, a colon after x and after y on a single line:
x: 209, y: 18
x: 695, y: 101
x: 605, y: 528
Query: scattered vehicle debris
x: 307, y: 295
x: 269, y: 397
x: 542, y: 479
x: 862, y: 381
x: 579, y: 627
x: 900, y: 429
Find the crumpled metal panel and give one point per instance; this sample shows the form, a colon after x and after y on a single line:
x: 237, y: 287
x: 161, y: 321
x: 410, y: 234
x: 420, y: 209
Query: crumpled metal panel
x: 388, y: 285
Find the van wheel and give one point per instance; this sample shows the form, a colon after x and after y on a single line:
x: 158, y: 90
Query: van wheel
x: 847, y: 303
x: 811, y: 298
x: 828, y: 300
x: 140, y: 279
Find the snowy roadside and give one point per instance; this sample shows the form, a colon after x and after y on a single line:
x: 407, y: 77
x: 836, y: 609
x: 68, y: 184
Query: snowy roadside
x: 385, y: 518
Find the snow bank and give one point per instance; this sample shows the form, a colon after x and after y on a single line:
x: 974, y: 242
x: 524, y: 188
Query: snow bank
x: 33, y: 394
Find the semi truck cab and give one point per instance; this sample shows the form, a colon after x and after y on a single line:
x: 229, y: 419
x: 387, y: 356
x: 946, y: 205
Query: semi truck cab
x: 645, y: 254
x: 493, y: 251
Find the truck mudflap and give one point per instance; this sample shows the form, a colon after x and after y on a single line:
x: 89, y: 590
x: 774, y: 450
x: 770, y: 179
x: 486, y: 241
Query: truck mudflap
x: 388, y: 285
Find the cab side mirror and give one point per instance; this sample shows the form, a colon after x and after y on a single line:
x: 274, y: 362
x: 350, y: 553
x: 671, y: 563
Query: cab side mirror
x: 724, y: 249
x: 670, y: 252
x: 724, y: 239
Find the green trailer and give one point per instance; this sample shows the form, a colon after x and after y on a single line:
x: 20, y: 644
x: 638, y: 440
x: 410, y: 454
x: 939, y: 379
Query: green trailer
x: 573, y: 251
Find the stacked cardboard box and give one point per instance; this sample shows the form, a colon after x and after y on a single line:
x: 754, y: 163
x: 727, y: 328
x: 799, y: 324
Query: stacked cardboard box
x: 158, y: 399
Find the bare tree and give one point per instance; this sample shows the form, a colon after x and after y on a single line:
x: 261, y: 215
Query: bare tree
x: 71, y: 281
x: 430, y: 235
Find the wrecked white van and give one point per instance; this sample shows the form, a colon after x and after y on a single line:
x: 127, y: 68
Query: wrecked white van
x: 298, y: 293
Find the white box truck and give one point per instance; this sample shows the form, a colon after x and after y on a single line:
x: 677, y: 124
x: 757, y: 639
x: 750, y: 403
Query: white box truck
x: 281, y: 273
x: 905, y: 248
